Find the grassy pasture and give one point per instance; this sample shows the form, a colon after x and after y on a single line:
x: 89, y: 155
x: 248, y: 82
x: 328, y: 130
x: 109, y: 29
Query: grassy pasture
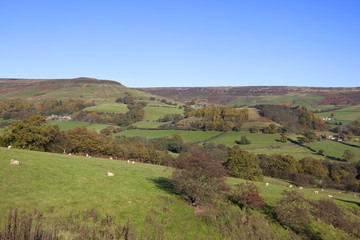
x: 148, y: 124
x: 154, y: 113
x: 344, y: 115
x: 109, y: 108
x: 334, y: 149
x: 98, y: 127
x: 64, y: 126
x: 67, y: 184
x: 187, y: 136
x: 149, y: 133
x: 258, y: 140
x: 71, y: 183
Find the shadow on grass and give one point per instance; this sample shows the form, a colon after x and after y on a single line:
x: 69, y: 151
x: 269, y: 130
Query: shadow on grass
x: 165, y: 184
x: 347, y: 201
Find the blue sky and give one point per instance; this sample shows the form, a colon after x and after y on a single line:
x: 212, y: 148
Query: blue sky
x: 184, y: 43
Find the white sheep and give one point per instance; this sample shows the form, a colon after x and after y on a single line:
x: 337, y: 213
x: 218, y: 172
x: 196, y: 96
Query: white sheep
x: 300, y: 187
x: 316, y: 192
x: 14, y: 162
x: 128, y: 161
x: 329, y: 196
x: 110, y: 174
x: 133, y: 162
x: 110, y: 158
x: 69, y: 154
x: 9, y: 146
x: 290, y: 185
x: 267, y: 184
x: 87, y: 155
x: 322, y: 189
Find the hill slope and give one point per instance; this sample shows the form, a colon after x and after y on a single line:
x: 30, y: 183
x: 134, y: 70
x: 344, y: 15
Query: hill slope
x: 82, y: 88
x: 311, y: 97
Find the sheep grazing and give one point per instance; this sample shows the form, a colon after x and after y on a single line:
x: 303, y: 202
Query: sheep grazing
x: 9, y: 147
x: 133, y: 162
x: 69, y: 154
x: 110, y: 174
x: 300, y: 187
x: 87, y: 155
x: 267, y: 184
x: 110, y: 158
x: 290, y: 185
x: 128, y: 161
x: 322, y: 189
x: 316, y: 192
x: 329, y: 196
x: 14, y: 162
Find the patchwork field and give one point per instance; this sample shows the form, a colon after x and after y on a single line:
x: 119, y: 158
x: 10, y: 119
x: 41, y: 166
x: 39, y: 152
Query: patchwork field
x: 334, y: 149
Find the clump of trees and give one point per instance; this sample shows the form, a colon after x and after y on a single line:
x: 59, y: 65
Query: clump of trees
x: 220, y: 118
x: 294, y: 118
x: 243, y: 164
x: 18, y: 109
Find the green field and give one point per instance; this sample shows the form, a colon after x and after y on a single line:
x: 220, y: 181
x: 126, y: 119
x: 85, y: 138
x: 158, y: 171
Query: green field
x: 258, y: 140
x: 334, y: 149
x: 64, y: 126
x: 59, y: 185
x: 109, y: 108
x: 344, y: 115
x: 148, y: 124
x: 2, y: 130
x: 187, y: 136
x: 154, y: 113
x: 71, y: 183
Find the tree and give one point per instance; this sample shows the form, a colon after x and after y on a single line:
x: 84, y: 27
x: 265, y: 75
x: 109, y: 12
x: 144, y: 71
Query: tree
x: 243, y: 164
x: 271, y: 129
x: 31, y: 133
x: 313, y: 167
x: 283, y: 139
x: 197, y: 178
x: 247, y: 195
x: 349, y: 156
x: 243, y: 141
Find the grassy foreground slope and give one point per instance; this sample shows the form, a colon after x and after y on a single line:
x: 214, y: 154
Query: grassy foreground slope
x: 60, y: 185
x: 72, y: 183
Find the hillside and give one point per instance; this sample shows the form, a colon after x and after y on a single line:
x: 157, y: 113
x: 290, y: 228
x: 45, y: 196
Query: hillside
x: 75, y: 188
x: 82, y: 88
x: 311, y: 97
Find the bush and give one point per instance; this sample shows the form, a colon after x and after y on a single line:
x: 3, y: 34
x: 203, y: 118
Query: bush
x: 197, y: 178
x: 247, y: 195
x: 243, y: 141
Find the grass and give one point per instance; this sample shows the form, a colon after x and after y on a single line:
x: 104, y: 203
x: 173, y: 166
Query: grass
x: 344, y: 115
x: 78, y: 184
x: 148, y: 124
x: 258, y: 140
x: 58, y: 185
x: 293, y: 150
x: 187, y: 136
x: 2, y: 130
x: 154, y: 113
x: 64, y: 126
x: 334, y: 149
x: 148, y: 133
x: 109, y: 108
x: 98, y: 127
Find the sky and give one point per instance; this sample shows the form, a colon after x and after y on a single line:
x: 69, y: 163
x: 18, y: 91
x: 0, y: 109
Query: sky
x: 181, y: 43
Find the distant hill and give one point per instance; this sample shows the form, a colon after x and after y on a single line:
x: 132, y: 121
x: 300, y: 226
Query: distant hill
x: 82, y: 88
x: 311, y: 97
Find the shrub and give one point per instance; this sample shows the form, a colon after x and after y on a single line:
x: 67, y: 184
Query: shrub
x: 247, y: 195
x: 243, y: 141
x: 197, y: 178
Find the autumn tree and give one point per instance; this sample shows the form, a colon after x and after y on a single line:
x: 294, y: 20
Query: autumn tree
x: 197, y: 178
x: 243, y: 164
x: 349, y: 156
x: 31, y: 133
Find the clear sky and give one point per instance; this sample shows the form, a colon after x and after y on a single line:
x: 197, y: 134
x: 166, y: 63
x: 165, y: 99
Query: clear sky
x: 183, y: 42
